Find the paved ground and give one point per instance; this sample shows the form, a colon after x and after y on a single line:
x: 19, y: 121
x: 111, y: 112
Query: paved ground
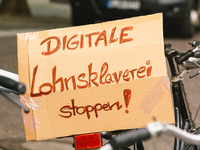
x: 50, y: 16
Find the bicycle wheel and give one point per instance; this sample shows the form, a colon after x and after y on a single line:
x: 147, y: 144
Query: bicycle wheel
x: 191, y: 146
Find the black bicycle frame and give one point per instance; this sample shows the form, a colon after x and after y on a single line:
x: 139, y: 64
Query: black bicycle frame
x: 181, y: 113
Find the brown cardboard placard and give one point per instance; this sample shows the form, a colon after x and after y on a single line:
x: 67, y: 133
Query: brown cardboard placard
x: 94, y: 78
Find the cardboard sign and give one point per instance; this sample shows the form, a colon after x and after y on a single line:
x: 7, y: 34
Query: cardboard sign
x: 94, y: 78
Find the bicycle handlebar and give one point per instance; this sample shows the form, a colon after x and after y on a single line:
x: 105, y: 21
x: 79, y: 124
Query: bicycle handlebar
x: 130, y: 137
x: 183, y: 135
x: 184, y: 57
x: 153, y: 129
x: 195, y: 52
x: 12, y: 84
x: 10, y: 81
x: 9, y: 84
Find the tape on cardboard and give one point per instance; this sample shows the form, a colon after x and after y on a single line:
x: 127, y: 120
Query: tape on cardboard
x: 30, y: 121
x: 28, y: 36
x: 34, y: 104
x: 150, y: 102
x: 30, y: 102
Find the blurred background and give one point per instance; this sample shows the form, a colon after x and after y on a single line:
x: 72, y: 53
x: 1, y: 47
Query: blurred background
x: 181, y: 25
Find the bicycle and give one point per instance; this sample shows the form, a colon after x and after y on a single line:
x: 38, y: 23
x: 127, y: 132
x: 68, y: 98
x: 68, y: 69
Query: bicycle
x: 9, y: 85
x: 183, y: 117
x: 153, y: 129
x: 188, y: 60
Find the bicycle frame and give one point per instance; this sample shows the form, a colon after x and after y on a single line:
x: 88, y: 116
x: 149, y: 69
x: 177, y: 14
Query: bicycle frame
x: 182, y: 116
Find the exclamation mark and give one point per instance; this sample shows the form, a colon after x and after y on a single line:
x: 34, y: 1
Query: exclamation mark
x: 127, y: 98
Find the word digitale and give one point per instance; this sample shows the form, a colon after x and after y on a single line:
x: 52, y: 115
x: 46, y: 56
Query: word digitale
x: 78, y: 40
x: 92, y: 78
